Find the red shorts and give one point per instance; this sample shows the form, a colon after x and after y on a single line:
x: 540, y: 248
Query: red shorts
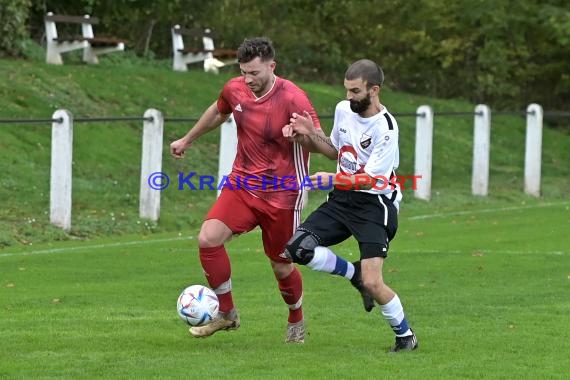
x: 242, y: 212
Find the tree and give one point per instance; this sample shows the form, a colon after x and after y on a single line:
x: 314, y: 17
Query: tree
x: 505, y: 53
x: 13, y: 26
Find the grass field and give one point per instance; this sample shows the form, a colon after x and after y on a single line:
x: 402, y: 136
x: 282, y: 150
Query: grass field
x: 485, y: 280
x: 486, y: 287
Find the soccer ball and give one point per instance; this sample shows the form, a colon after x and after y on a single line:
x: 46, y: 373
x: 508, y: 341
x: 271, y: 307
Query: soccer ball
x: 197, y: 305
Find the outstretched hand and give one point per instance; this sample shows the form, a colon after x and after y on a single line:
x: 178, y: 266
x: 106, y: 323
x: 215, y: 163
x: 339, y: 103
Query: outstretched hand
x: 302, y: 124
x: 288, y: 132
x: 299, y: 125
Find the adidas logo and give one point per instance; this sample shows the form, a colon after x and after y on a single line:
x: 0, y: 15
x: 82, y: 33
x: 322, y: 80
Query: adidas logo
x: 238, y: 108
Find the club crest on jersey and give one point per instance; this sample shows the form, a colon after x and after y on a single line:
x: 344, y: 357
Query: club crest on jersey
x: 365, y: 141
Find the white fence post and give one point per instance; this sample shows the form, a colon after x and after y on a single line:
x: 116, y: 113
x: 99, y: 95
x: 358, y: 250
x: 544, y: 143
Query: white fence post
x: 533, y: 150
x: 481, y: 150
x: 228, y: 149
x: 423, y: 156
x: 60, y: 175
x: 151, y: 166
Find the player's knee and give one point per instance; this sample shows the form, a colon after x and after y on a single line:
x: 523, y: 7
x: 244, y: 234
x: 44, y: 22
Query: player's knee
x: 208, y: 238
x: 373, y: 284
x: 282, y: 270
x: 204, y: 240
x: 301, y: 247
x: 213, y: 233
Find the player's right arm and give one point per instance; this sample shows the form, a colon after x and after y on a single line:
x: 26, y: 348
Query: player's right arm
x: 303, y: 131
x: 211, y: 119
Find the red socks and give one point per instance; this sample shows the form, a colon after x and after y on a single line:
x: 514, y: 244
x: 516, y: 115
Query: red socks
x: 291, y: 288
x: 216, y: 265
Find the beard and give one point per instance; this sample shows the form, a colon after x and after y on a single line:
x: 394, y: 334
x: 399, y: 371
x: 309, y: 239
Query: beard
x: 359, y: 106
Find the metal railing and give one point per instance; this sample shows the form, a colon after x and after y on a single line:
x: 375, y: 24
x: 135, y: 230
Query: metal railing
x: 153, y: 125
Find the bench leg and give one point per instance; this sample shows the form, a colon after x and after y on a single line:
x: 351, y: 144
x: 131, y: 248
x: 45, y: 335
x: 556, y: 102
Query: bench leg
x: 179, y: 63
x: 91, y: 54
x: 213, y: 65
x: 53, y: 57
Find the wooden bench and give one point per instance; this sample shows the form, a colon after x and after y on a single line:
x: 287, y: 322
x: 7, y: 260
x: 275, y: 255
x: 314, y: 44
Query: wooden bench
x: 92, y: 46
x: 200, y: 50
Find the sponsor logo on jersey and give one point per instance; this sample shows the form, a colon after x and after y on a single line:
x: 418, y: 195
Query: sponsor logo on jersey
x: 342, y: 130
x: 365, y: 141
x: 238, y: 108
x: 347, y: 164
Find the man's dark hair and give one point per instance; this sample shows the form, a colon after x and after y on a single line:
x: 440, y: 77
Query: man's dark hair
x: 366, y: 70
x: 252, y: 48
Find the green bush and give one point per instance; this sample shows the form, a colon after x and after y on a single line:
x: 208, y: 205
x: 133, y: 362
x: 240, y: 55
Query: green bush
x: 13, y: 26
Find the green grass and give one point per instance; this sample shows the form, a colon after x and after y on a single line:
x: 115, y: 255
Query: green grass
x: 485, y: 289
x: 484, y: 280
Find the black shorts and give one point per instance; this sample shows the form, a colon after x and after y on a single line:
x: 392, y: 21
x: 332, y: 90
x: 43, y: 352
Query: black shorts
x: 371, y: 219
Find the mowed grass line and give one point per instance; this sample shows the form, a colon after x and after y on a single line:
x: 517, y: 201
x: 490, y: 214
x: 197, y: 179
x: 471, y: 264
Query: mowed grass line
x: 487, y: 294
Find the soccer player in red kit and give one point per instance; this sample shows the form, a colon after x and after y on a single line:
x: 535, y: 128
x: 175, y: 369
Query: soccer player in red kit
x: 264, y: 187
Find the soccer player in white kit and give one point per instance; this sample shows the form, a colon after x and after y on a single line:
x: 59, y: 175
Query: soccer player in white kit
x: 365, y: 200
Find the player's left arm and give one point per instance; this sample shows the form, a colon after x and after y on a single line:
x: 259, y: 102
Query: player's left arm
x: 305, y: 128
x: 302, y: 130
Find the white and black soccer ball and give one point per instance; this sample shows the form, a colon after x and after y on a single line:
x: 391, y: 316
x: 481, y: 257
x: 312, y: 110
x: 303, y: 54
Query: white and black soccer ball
x: 197, y: 305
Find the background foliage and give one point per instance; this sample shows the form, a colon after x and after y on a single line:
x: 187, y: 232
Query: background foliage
x: 13, y: 30
x: 502, y: 52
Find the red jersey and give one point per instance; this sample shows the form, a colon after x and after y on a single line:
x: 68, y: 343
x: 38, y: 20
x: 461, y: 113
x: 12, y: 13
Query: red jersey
x: 267, y: 164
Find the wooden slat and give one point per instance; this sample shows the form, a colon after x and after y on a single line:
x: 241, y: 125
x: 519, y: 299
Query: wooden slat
x: 72, y: 19
x: 104, y: 41
x: 225, y: 53
x: 193, y: 32
x: 191, y: 50
x: 69, y: 39
x: 95, y: 42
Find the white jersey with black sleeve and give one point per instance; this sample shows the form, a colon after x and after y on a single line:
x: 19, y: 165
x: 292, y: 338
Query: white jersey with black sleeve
x: 368, y: 145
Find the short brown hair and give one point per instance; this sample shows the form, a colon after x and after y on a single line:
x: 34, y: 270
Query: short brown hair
x: 252, y: 48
